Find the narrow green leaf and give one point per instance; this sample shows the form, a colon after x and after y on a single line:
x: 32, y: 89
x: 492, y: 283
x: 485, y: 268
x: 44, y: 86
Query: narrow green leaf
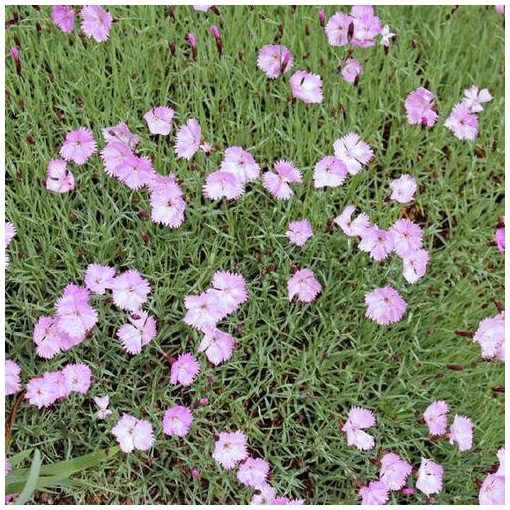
x: 33, y: 477
x: 17, y: 459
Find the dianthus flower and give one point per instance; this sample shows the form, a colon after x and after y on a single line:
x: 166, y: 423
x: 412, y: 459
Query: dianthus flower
x: 385, y: 305
x: 304, y: 286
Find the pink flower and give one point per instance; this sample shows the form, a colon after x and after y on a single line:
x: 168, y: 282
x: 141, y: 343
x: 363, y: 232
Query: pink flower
x: 230, y: 448
x: 10, y: 232
x: 116, y: 156
x: 473, y: 98
x: 420, y: 107
x: 121, y: 133
x: 407, y: 237
x: 230, y: 289
x: 274, y: 60
x: 436, y: 417
x: 461, y: 432
x: 490, y: 335
x: 377, y: 242
x: 366, y: 25
x: 133, y: 434
x: 167, y: 204
x: 188, y: 141
x: 58, y: 178
x: 329, y: 172
x: 266, y: 496
x: 352, y: 227
x: 102, y: 407
x: 203, y: 311
x: 403, y: 189
x: 359, y: 419
x: 376, y: 493
x: 136, y: 171
x: 253, y: 472
x: 281, y: 500
x: 500, y: 9
x: 337, y: 29
x: 299, y: 232
x: 241, y: 164
x: 277, y: 182
x: 430, y: 477
x: 394, y: 471
x: 203, y: 8
x: 322, y: 18
x: 78, y: 146
x: 492, y: 491
x: 351, y: 70
x: 304, y: 285
x: 140, y: 330
x: 215, y: 31
x: 307, y: 87
x: 385, y: 305
x: 63, y: 17
x: 184, y: 370
x: 78, y: 377
x: 386, y: 35
x: 221, y: 184
x: 195, y: 473
x: 98, y: 278
x: 217, y: 345
x: 12, y: 377
x: 499, y: 237
x: 177, y: 421
x: 462, y: 123
x: 353, y: 152
x: 47, y: 337
x: 415, y: 265
x: 501, y: 458
x: 130, y: 290
x: 96, y: 22
x: 159, y: 120
x: 45, y: 390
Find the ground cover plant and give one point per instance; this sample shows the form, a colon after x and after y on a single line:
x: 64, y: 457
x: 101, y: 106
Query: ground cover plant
x: 303, y: 299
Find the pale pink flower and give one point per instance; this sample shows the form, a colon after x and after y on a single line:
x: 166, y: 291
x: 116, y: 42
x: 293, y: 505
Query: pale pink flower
x: 195, y: 473
x: 375, y: 493
x: 133, y: 434
x: 78, y: 146
x: 329, y: 172
x: 159, y: 120
x: 274, y: 60
x: 352, y: 227
x: 473, y: 98
x: 277, y: 182
x: 430, y: 477
x: 203, y: 311
x: 116, y: 156
x: 230, y: 448
x: 500, y: 9
x: 63, y: 17
x: 121, y: 133
x: 136, y: 171
x: 490, y: 335
x: 47, y: 337
x: 415, y: 265
x: 161, y: 183
x: 492, y: 491
x: 99, y: 278
x: 359, y: 419
x: 462, y: 123
x: 102, y: 407
x: 281, y: 500
x: 366, y: 26
x: 78, y: 377
x: 12, y: 377
x: 386, y: 35
x: 139, y: 332
x: 436, y: 417
x: 420, y: 107
x: 96, y: 22
x: 167, y: 204
x: 130, y: 290
x: 241, y: 164
x: 189, y: 137
x: 45, y: 390
x: 266, y: 495
x: 407, y: 237
x: 207, y: 148
x: 307, y: 87
x: 304, y: 286
x: 385, y: 305
x: 299, y: 232
x: 58, y: 178
x: 377, y: 242
x: 394, y: 471
x: 221, y: 184
x: 499, y: 237
x: 10, y: 232
x: 217, y: 345
x: 253, y: 472
x: 403, y: 189
x: 461, y: 432
x: 202, y: 8
x: 177, y: 421
x: 351, y: 70
x: 337, y: 29
x: 184, y: 370
x: 230, y: 288
x: 501, y: 458
x: 353, y: 152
